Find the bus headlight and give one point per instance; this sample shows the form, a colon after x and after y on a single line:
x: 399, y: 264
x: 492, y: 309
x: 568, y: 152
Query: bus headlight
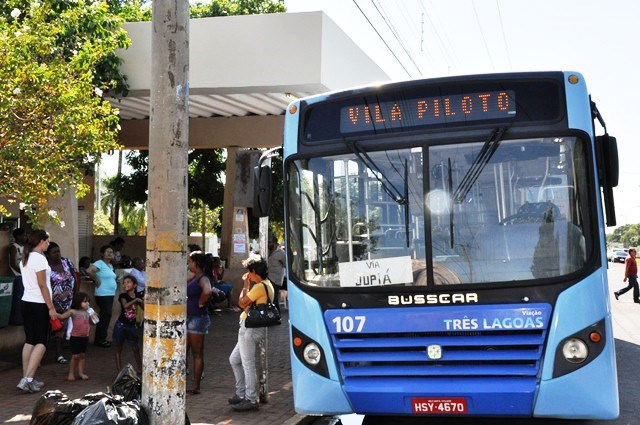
x: 312, y: 354
x: 575, y: 350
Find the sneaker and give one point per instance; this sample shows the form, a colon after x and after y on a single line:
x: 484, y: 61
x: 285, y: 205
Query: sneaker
x: 245, y: 406
x: 33, y: 387
x: 615, y: 294
x: 235, y: 399
x: 22, y: 385
x: 37, y: 384
x: 29, y: 387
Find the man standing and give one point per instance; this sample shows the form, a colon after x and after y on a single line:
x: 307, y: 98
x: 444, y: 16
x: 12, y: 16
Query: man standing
x: 276, y: 263
x: 631, y: 273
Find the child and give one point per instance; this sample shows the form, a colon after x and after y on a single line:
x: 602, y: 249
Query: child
x: 79, y: 338
x: 125, y: 328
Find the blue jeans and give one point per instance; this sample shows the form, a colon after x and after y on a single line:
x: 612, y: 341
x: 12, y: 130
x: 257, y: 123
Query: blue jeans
x: 243, y: 362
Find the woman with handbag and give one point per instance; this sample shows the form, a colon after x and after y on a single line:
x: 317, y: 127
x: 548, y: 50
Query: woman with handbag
x: 257, y: 289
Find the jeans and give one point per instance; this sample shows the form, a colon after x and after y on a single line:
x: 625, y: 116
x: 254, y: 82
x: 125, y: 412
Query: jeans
x: 633, y: 284
x: 105, y: 304
x: 243, y: 362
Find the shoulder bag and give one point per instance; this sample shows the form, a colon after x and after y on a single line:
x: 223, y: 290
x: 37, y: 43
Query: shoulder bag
x: 262, y: 315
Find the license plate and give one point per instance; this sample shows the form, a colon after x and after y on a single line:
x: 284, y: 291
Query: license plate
x: 440, y: 406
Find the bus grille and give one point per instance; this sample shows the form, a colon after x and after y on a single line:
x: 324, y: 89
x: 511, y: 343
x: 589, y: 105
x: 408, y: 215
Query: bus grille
x: 440, y: 354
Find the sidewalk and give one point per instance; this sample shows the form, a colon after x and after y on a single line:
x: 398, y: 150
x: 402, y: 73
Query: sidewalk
x: 208, y: 407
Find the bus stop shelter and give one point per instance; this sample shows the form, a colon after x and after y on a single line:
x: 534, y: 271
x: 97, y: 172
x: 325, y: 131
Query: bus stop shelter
x: 243, y: 72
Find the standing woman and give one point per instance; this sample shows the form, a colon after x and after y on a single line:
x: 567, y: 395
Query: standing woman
x: 198, y: 292
x: 243, y: 356
x: 37, y: 307
x: 104, y: 278
x: 63, y: 282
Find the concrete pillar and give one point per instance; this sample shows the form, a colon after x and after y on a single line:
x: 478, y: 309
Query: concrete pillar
x: 164, y: 349
x: 67, y: 236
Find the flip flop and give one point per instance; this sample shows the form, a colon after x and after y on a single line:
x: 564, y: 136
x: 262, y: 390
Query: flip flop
x: 62, y: 360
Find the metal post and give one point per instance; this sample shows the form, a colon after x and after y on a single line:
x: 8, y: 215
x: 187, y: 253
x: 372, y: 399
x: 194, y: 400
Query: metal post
x: 263, y: 366
x: 164, y: 349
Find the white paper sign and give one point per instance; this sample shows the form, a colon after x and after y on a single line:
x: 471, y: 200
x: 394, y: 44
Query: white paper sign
x: 239, y: 248
x: 379, y: 272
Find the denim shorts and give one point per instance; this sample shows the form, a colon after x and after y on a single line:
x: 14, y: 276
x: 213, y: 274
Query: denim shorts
x: 198, y: 324
x: 124, y: 333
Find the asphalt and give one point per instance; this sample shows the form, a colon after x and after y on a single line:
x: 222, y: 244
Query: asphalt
x: 208, y: 407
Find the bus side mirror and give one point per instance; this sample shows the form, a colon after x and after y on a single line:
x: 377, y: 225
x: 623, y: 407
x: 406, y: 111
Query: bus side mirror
x: 611, y: 160
x: 607, y: 150
x: 261, y: 190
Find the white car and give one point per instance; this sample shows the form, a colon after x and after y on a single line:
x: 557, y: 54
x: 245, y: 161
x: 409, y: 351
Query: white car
x: 616, y: 255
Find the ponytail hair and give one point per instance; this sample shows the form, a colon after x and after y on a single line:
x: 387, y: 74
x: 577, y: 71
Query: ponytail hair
x: 34, y: 240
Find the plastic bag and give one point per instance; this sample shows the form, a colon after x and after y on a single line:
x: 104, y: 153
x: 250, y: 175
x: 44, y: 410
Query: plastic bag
x: 127, y: 384
x: 53, y: 408
x: 112, y: 410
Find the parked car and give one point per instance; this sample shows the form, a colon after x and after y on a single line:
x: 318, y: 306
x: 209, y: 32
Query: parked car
x: 616, y: 255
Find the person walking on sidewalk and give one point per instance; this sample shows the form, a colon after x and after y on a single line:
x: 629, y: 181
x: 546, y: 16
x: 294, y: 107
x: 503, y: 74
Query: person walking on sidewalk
x: 257, y: 288
x: 631, y: 273
x: 37, y: 308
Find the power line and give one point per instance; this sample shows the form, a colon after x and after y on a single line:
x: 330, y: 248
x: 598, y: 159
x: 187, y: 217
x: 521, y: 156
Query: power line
x: 482, y: 33
x: 381, y: 38
x: 396, y: 35
x: 442, y: 46
x: 504, y: 38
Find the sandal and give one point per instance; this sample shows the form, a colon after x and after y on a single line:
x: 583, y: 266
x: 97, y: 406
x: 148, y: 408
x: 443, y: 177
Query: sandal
x: 62, y: 360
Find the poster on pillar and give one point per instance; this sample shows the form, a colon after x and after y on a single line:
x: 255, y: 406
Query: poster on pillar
x: 239, y: 243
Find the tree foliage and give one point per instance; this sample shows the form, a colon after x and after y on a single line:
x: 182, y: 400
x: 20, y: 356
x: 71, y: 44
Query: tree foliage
x: 628, y: 235
x: 57, y: 58
x: 235, y: 7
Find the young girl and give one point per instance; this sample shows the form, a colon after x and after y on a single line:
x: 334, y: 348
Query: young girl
x: 125, y: 328
x: 79, y: 334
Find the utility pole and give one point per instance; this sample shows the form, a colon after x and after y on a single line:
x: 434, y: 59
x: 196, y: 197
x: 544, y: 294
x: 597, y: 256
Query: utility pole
x: 163, y: 377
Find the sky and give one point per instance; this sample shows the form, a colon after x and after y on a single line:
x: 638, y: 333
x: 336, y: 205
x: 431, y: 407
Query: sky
x: 435, y: 38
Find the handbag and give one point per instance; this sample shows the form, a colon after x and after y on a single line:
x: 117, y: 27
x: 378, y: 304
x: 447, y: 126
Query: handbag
x: 262, y: 315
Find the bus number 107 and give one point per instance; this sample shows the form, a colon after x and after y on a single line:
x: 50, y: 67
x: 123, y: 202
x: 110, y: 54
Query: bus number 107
x: 348, y: 324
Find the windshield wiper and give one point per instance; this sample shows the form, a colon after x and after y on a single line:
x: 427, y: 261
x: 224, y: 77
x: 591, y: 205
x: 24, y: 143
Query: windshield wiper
x: 481, y: 161
x: 386, y: 184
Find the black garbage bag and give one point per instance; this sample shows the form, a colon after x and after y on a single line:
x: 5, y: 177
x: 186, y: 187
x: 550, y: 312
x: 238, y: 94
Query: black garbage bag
x: 55, y: 408
x: 127, y: 384
x: 113, y: 410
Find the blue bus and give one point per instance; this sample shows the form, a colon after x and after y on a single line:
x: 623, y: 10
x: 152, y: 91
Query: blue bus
x: 446, y: 249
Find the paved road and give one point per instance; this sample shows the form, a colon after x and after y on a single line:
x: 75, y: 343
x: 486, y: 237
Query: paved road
x: 210, y: 407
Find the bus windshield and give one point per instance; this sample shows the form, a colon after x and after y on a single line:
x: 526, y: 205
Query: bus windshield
x: 452, y: 213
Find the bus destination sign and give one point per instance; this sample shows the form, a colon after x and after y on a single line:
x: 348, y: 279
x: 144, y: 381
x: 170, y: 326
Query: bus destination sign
x: 428, y: 111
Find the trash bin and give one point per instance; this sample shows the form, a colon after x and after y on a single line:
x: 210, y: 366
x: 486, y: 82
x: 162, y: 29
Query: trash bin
x: 6, y: 292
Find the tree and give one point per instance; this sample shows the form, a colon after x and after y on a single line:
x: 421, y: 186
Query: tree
x: 57, y: 58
